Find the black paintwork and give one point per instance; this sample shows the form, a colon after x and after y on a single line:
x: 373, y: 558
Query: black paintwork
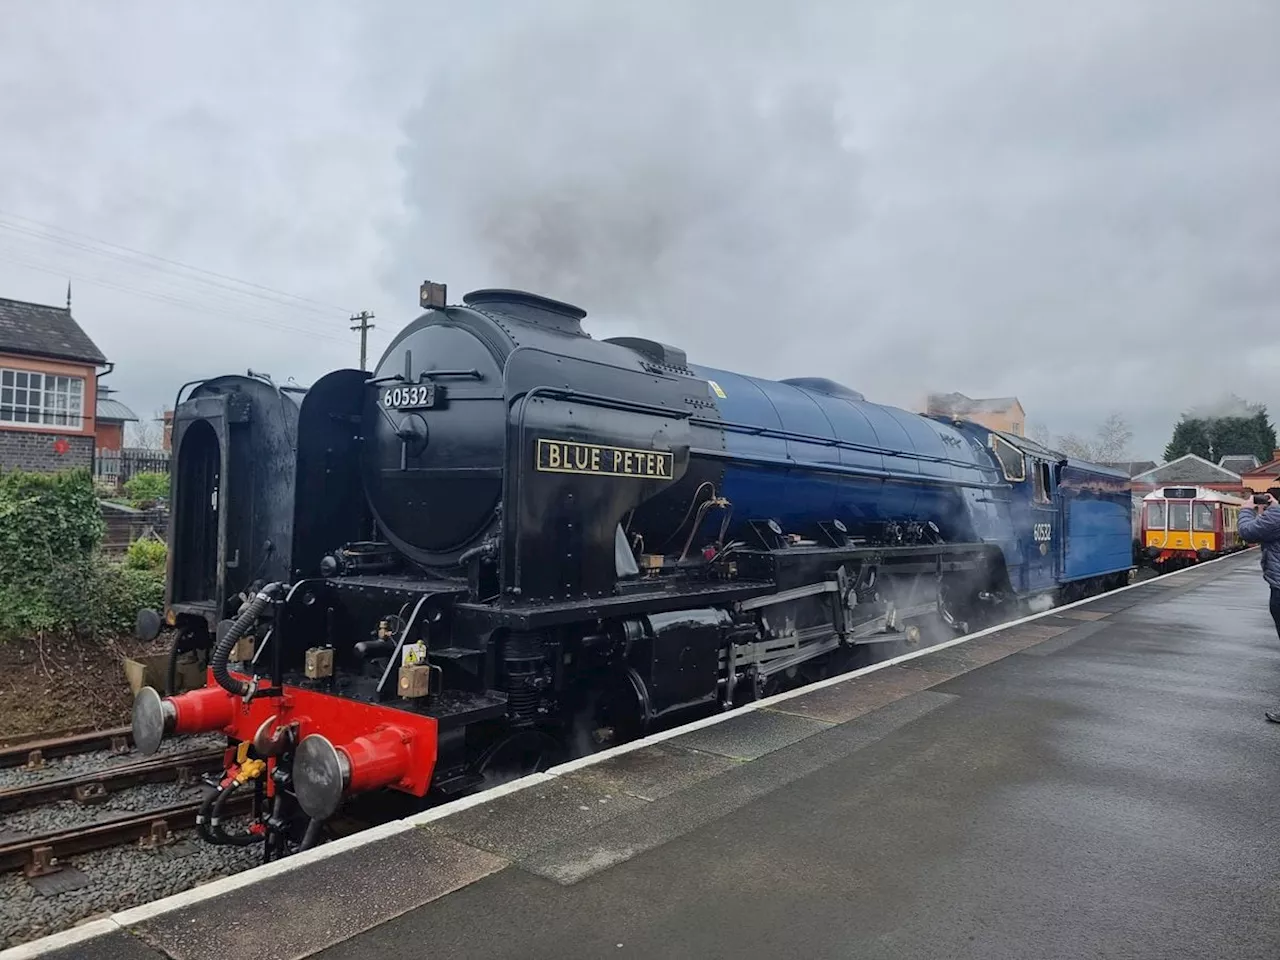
x: 587, y: 588
x: 232, y: 497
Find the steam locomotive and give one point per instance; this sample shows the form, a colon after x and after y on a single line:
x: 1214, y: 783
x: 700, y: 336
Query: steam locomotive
x: 512, y: 542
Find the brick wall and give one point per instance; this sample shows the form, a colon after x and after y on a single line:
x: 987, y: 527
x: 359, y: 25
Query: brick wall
x: 35, y: 451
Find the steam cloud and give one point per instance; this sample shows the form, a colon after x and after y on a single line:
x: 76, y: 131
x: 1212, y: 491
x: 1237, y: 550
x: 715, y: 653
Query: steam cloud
x: 903, y: 197
x: 678, y: 166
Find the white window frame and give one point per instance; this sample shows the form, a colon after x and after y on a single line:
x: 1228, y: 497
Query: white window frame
x: 58, y: 399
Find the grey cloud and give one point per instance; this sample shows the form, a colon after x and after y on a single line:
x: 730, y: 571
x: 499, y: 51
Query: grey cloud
x: 1071, y: 203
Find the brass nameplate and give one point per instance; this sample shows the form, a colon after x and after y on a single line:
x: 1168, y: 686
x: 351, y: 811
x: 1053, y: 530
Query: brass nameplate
x: 566, y: 456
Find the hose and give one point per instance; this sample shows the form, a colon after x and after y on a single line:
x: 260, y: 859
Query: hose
x: 312, y: 835
x: 206, y: 811
x: 219, y: 835
x: 222, y: 649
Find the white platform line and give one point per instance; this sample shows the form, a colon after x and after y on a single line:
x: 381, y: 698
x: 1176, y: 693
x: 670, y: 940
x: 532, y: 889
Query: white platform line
x: 122, y: 920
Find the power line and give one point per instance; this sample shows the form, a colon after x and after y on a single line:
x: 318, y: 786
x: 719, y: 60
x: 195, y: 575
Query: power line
x: 161, y: 297
x: 50, y: 233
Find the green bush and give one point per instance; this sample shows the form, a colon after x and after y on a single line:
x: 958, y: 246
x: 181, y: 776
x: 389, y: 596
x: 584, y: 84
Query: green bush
x: 144, y: 488
x: 52, y: 577
x: 146, y: 554
x: 50, y: 529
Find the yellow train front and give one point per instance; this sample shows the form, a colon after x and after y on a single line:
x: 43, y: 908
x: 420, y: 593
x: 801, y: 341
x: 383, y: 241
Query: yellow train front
x: 1185, y: 525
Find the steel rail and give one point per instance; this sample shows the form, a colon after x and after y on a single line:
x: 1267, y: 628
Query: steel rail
x: 96, y: 784
x: 53, y: 846
x: 117, y: 739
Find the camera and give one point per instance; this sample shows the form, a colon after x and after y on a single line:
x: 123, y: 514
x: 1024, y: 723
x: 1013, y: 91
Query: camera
x: 1261, y: 498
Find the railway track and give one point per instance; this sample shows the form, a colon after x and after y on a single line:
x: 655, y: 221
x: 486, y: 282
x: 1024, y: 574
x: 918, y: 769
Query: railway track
x: 90, y: 787
x: 33, y: 753
x: 39, y: 854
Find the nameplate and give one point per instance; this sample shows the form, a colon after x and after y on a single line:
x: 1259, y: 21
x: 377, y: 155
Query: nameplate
x: 566, y: 456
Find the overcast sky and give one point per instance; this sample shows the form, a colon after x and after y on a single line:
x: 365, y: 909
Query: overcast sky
x: 1075, y: 203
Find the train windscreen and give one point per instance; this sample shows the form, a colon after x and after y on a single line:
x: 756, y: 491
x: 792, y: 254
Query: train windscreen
x: 1179, y: 516
x: 1202, y: 517
x: 1155, y: 516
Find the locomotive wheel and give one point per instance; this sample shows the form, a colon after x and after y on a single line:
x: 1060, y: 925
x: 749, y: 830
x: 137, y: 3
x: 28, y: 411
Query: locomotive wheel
x: 518, y: 755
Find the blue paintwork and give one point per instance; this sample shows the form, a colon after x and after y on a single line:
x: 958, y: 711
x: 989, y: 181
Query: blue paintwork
x: 824, y: 456
x: 1097, y: 507
x: 799, y: 455
x: 1089, y: 513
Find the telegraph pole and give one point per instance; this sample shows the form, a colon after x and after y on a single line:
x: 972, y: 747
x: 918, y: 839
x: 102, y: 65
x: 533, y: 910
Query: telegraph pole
x: 361, y: 322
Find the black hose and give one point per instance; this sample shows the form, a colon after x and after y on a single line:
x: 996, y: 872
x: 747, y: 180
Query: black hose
x: 222, y: 649
x: 206, y: 811
x: 220, y: 836
x: 312, y: 835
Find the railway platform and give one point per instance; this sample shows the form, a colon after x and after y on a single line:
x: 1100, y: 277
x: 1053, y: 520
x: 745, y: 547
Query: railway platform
x: 1097, y: 781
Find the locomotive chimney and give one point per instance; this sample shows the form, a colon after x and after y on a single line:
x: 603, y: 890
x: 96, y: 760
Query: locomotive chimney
x: 530, y: 308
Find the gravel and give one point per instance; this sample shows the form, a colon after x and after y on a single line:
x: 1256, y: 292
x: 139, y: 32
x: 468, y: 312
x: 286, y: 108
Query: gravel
x: 81, y: 763
x: 68, y: 813
x: 119, y: 878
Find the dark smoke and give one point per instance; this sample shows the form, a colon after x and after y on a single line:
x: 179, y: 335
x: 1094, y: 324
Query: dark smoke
x: 638, y: 161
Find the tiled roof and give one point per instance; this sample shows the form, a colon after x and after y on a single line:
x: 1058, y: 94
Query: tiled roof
x: 1269, y: 469
x: 1132, y: 467
x: 114, y: 410
x: 1238, y: 462
x: 42, y: 331
x: 1188, y: 469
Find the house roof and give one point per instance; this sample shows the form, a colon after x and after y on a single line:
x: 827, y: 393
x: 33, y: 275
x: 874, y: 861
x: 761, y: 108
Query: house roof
x: 1131, y: 467
x: 1238, y: 462
x: 1188, y: 469
x: 1269, y: 469
x: 956, y: 403
x: 114, y: 410
x: 37, y: 330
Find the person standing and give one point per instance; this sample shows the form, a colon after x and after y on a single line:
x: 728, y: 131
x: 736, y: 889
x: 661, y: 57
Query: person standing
x: 1260, y: 523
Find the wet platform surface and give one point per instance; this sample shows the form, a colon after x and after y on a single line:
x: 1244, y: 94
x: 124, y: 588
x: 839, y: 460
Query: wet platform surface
x: 1098, y: 782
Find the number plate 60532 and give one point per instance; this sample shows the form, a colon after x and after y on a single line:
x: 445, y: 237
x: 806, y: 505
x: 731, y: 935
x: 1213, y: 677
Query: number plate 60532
x: 415, y: 396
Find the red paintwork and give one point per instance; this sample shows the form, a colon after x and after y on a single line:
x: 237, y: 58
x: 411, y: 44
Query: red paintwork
x: 379, y: 759
x: 386, y: 747
x: 203, y: 710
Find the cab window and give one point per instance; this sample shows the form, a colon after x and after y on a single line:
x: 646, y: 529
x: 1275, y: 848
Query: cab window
x: 1201, y: 516
x: 1010, y: 459
x: 1042, y: 481
x: 1155, y: 516
x: 1179, y: 516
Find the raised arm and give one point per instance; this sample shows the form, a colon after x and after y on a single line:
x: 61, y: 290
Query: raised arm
x: 1260, y: 526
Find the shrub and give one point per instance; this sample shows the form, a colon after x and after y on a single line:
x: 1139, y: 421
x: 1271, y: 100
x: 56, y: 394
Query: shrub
x: 145, y: 488
x: 50, y: 528
x: 146, y: 554
x: 52, y: 577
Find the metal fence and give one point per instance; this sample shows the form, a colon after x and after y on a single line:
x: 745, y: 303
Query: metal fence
x: 114, y: 467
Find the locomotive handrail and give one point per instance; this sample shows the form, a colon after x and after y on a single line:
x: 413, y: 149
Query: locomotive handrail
x: 852, y: 471
x: 779, y: 434
x: 600, y: 400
